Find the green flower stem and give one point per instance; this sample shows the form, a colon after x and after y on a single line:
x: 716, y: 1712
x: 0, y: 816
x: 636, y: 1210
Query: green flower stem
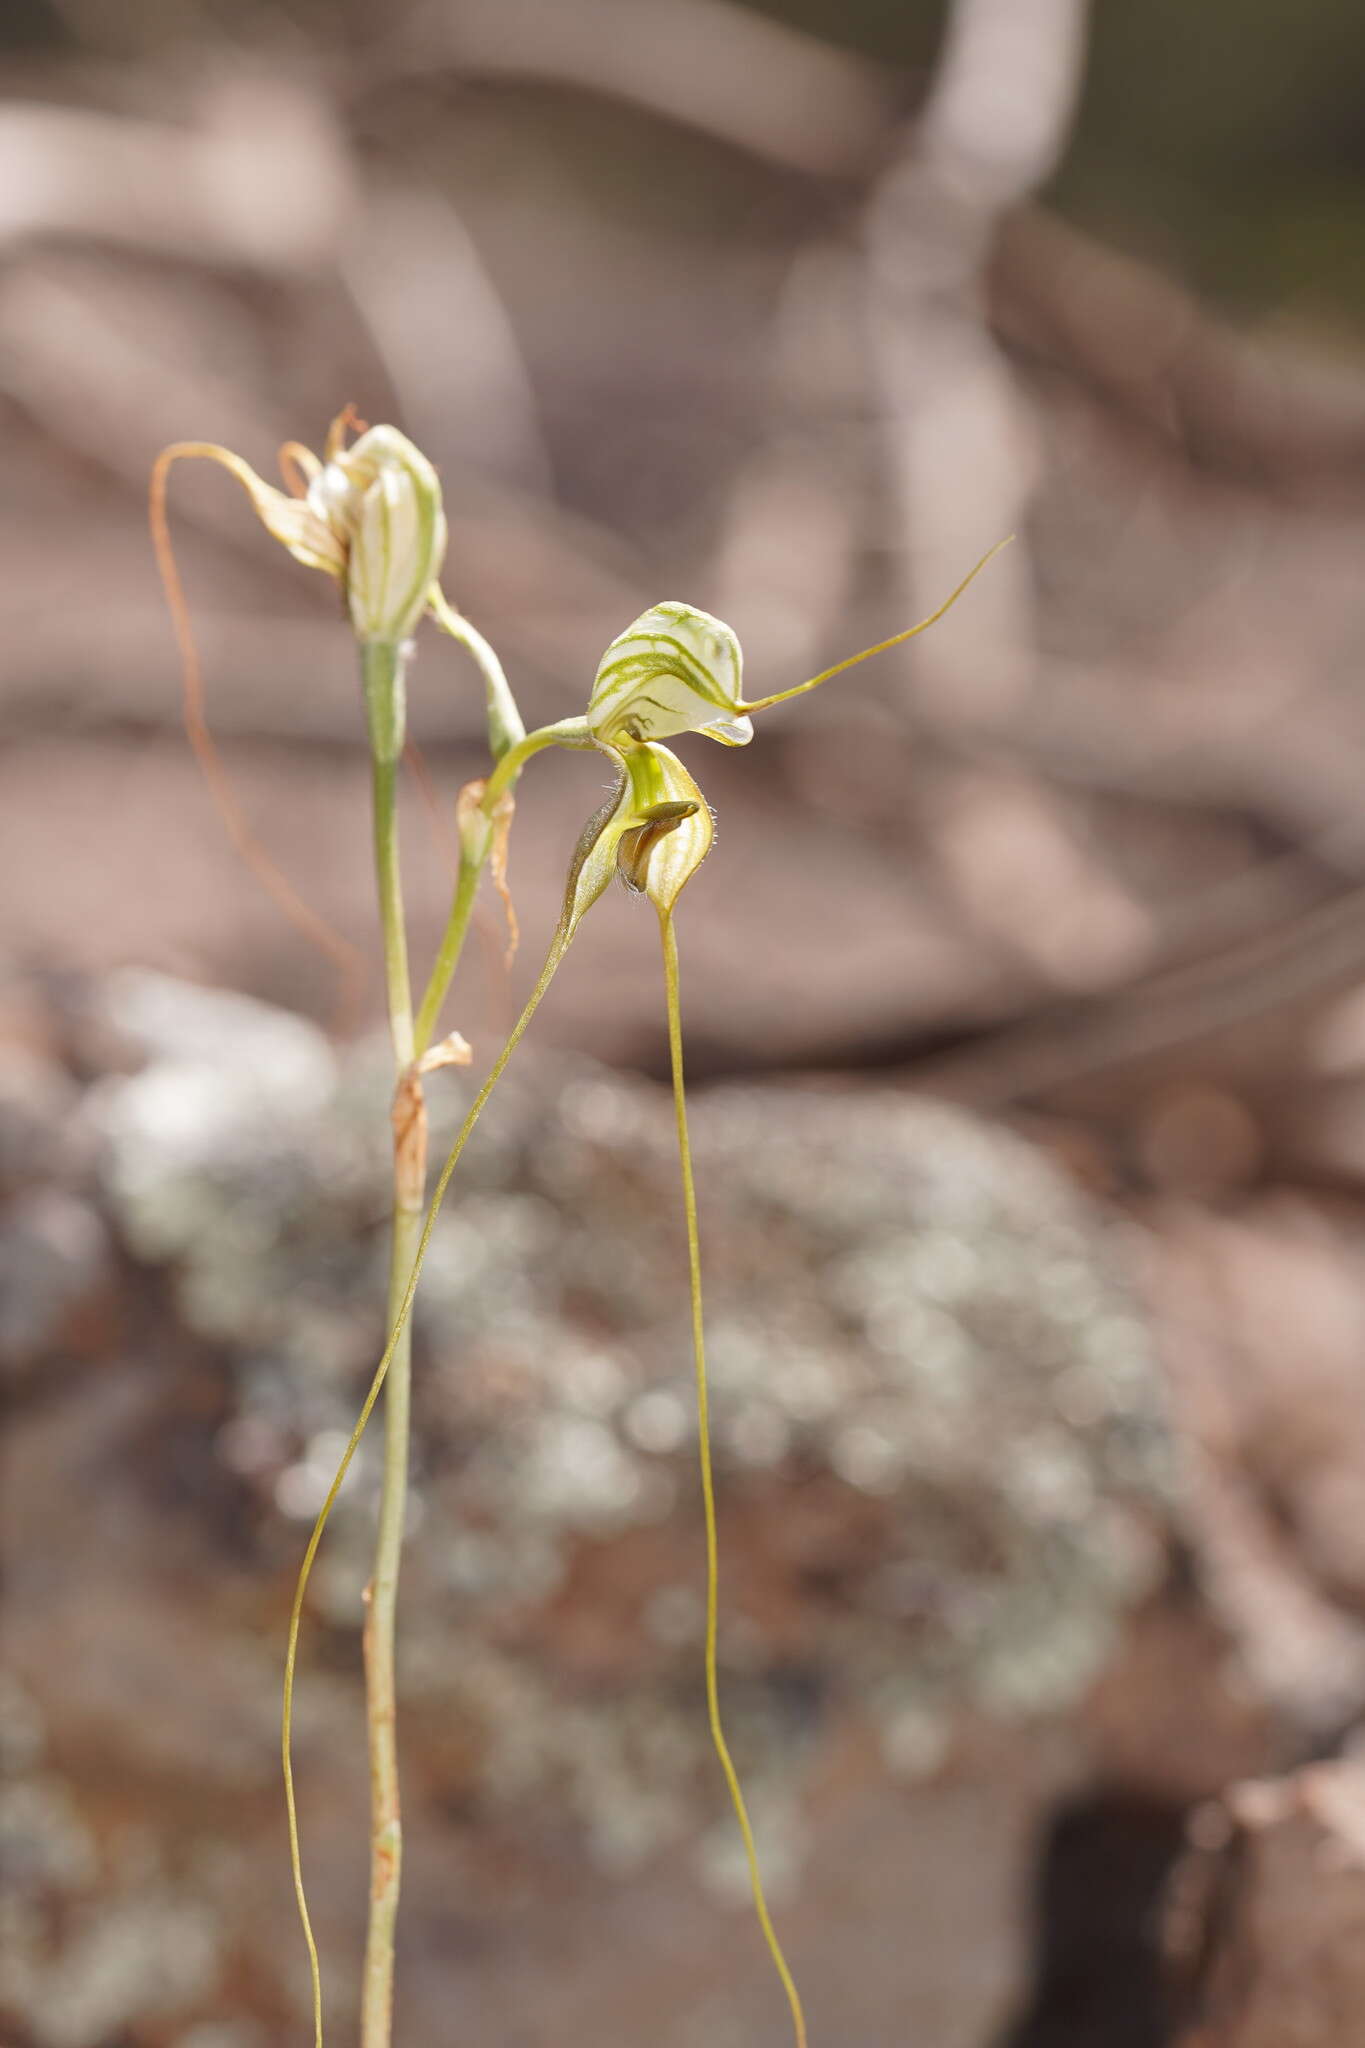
x: 569, y: 732
x: 383, y: 682
x: 566, y: 732
x: 452, y: 945
x: 382, y: 670
x: 386, y: 1831
x: 505, y: 727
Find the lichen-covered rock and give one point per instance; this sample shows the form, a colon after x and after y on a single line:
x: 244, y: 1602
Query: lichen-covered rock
x: 942, y: 1479
x: 929, y: 1382
x: 54, y: 1252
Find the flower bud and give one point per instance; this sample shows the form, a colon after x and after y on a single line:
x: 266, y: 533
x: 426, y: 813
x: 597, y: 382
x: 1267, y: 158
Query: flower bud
x: 382, y: 499
x: 675, y: 670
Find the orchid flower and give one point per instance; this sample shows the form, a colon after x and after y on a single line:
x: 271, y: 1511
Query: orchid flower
x: 677, y: 669
x: 381, y: 500
x: 369, y: 515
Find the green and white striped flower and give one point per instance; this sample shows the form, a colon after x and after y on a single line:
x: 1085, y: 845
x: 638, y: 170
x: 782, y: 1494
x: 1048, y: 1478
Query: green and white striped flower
x: 676, y: 669
x: 382, y: 500
x: 369, y: 516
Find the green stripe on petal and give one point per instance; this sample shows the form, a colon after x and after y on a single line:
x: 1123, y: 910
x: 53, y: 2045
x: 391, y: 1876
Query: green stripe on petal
x: 670, y: 672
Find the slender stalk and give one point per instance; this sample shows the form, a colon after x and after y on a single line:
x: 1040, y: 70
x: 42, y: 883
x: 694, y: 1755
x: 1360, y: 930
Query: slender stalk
x: 452, y: 945
x: 382, y: 671
x: 505, y: 727
x: 569, y: 732
x: 383, y: 681
x: 708, y: 1489
x: 566, y: 732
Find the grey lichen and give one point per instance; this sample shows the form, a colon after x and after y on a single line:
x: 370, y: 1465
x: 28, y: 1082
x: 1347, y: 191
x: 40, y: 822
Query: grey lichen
x: 85, y: 1948
x: 939, y: 1443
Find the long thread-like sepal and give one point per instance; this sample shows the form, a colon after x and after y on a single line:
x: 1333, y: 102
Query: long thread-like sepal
x: 896, y: 640
x: 346, y: 957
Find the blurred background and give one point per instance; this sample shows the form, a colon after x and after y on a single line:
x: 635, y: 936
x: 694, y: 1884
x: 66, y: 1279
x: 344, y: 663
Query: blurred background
x: 1025, y: 994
